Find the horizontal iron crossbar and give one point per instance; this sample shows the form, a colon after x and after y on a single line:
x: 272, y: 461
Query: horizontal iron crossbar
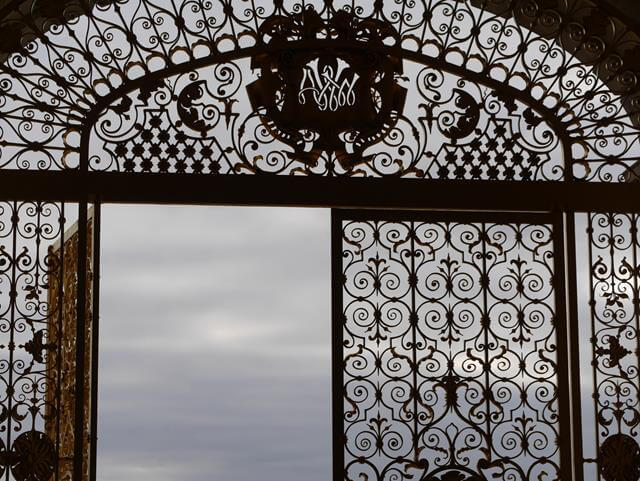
x: 388, y: 193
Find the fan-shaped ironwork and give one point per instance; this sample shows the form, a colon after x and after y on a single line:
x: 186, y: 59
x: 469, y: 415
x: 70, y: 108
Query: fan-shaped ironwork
x: 555, y: 79
x: 467, y: 346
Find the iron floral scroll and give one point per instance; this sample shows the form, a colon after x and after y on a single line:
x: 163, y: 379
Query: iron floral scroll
x: 569, y: 65
x: 612, y: 391
x: 332, y: 100
x: 450, y: 350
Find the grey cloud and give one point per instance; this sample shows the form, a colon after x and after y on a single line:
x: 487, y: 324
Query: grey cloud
x: 215, y: 347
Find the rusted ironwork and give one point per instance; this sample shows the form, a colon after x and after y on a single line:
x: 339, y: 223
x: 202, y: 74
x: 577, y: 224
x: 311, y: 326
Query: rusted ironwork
x: 62, y: 299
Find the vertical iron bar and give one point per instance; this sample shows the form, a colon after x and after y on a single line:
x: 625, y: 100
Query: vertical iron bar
x: 337, y: 377
x: 59, y: 324
x: 564, y: 346
x: 592, y: 310
x: 573, y: 325
x: 95, y: 326
x: 81, y: 314
x: 487, y: 324
x: 414, y: 351
x: 13, y: 295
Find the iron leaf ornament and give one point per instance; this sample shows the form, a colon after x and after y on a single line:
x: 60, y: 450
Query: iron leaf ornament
x: 334, y: 98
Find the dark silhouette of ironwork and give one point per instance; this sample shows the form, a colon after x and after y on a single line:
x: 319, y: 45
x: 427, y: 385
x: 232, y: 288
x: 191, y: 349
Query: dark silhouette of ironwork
x: 450, y: 334
x: 342, y: 101
x: 453, y: 108
x: 496, y: 100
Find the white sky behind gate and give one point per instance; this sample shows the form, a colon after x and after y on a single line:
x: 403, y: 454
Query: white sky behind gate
x: 215, y: 334
x: 214, y: 344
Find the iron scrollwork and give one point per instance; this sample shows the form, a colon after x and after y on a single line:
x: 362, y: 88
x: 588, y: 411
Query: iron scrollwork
x: 27, y: 270
x: 475, y: 133
x: 613, y: 321
x: 450, y: 360
x: 336, y: 100
x: 38, y: 312
x: 457, y: 473
x: 202, y: 123
x: 566, y: 71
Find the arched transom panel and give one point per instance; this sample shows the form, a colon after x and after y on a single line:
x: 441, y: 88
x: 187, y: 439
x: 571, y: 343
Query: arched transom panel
x: 203, y: 121
x: 439, y: 89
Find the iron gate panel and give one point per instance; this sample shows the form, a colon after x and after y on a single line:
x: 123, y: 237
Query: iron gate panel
x: 46, y: 304
x: 447, y: 363
x: 609, y: 303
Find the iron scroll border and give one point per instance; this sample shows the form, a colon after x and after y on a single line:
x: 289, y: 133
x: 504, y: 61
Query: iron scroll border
x: 546, y: 19
x: 342, y: 405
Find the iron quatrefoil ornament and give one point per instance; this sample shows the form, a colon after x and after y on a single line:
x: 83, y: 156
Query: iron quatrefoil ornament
x: 334, y: 99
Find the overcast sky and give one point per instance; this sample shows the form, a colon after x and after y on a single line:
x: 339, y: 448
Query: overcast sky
x: 215, y: 344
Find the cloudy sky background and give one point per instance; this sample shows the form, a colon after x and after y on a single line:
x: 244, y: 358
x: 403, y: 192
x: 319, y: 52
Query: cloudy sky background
x: 215, y: 344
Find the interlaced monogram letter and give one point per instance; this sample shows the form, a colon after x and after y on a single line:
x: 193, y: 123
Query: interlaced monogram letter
x: 330, y: 89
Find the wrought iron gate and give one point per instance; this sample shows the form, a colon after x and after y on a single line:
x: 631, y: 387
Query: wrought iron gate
x: 48, y: 297
x: 466, y: 346
x: 451, y: 334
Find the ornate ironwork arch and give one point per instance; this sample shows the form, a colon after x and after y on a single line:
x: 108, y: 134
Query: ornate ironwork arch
x: 573, y: 70
x: 465, y: 105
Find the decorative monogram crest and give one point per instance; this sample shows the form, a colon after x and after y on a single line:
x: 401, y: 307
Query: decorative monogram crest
x: 328, y: 99
x: 330, y: 88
